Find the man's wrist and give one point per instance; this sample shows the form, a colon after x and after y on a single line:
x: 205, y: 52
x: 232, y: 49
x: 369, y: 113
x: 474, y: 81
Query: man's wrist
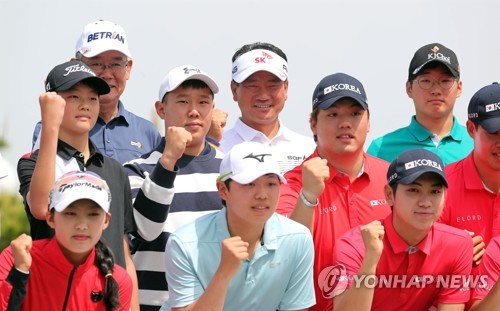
x: 306, y: 201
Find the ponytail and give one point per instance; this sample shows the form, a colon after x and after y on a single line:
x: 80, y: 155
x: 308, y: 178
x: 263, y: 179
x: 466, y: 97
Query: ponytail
x: 104, y: 260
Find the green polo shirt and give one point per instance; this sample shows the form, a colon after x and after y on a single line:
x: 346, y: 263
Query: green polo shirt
x: 453, y: 147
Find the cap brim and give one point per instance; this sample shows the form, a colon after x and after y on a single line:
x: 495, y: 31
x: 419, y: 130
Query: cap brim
x: 412, y: 177
x: 244, y: 74
x: 331, y: 101
x: 101, y: 48
x: 248, y: 177
x: 453, y: 72
x: 62, y: 205
x: 491, y: 125
x: 100, y: 85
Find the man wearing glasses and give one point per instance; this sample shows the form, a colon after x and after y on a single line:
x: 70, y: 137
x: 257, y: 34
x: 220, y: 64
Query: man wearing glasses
x: 118, y: 133
x: 434, y: 85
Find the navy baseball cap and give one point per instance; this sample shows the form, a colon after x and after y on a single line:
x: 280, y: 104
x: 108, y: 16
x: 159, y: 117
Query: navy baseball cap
x: 335, y: 87
x: 484, y: 108
x: 64, y: 76
x: 411, y: 164
x: 434, y: 52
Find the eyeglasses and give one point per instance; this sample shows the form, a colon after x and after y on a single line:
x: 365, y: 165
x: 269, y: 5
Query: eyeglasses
x: 116, y: 67
x: 427, y: 83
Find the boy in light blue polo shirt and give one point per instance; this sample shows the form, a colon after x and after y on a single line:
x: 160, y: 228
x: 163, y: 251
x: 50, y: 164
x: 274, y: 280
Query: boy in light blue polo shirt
x: 244, y: 257
x: 434, y: 85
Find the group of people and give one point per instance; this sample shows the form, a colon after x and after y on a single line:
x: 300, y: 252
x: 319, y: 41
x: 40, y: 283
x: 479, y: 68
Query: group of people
x: 257, y: 217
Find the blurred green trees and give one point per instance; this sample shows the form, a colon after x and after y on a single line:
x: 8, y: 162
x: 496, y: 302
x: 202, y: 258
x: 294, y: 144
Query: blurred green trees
x: 13, y: 220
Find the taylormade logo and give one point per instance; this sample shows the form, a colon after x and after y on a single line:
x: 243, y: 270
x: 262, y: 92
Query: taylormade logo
x: 76, y: 68
x: 87, y: 184
x: 422, y: 162
x: 341, y: 86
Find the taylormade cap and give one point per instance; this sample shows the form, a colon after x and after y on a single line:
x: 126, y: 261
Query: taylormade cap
x: 248, y: 161
x: 178, y: 75
x: 335, y: 87
x: 101, y: 36
x: 76, y: 185
x: 66, y: 75
x: 411, y: 164
x: 484, y: 108
x: 434, y: 52
x: 259, y: 60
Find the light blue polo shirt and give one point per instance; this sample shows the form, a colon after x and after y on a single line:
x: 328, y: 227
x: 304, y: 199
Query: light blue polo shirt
x: 453, y: 147
x: 278, y: 277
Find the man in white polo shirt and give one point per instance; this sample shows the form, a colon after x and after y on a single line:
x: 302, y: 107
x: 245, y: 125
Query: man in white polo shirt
x: 260, y: 87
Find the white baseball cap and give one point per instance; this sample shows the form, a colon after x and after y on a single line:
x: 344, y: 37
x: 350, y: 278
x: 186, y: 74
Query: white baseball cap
x: 248, y: 161
x: 76, y: 185
x: 259, y: 60
x: 101, y: 36
x: 176, y: 76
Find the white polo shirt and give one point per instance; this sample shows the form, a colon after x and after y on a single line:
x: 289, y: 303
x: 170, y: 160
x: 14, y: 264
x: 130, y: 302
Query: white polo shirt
x: 290, y: 148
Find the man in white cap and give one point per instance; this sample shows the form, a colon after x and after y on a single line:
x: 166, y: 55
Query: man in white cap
x: 244, y: 257
x: 260, y: 86
x: 173, y: 184
x: 118, y: 133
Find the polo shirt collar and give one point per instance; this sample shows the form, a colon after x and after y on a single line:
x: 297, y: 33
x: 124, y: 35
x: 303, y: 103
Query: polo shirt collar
x: 365, y: 168
x: 123, y: 114
x: 67, y: 152
x: 472, y: 180
x: 270, y: 237
x: 422, y: 134
x: 398, y: 245
x: 249, y: 134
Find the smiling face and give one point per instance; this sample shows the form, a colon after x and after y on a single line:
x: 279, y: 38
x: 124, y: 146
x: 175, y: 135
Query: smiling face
x: 250, y: 205
x: 78, y: 228
x: 341, y: 129
x: 261, y: 97
x: 416, y: 206
x: 436, y: 102
x: 81, y: 110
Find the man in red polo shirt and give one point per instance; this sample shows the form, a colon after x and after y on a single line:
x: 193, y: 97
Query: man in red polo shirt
x: 339, y: 186
x: 473, y: 199
x: 403, y: 262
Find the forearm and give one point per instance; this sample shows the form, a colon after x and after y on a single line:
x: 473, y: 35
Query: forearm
x: 490, y: 302
x: 303, y: 214
x: 359, y: 296
x: 44, y: 173
x: 213, y: 297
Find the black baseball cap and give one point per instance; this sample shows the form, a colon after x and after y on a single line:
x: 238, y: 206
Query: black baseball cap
x: 413, y: 163
x: 335, y: 87
x: 484, y: 108
x: 434, y: 52
x: 64, y: 76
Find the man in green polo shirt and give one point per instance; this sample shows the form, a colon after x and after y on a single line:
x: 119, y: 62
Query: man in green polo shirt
x: 434, y: 85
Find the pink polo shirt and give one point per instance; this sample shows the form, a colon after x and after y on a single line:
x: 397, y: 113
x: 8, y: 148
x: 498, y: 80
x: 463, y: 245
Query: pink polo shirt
x: 413, y: 277
x: 468, y: 204
x: 342, y: 206
x: 490, y: 268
